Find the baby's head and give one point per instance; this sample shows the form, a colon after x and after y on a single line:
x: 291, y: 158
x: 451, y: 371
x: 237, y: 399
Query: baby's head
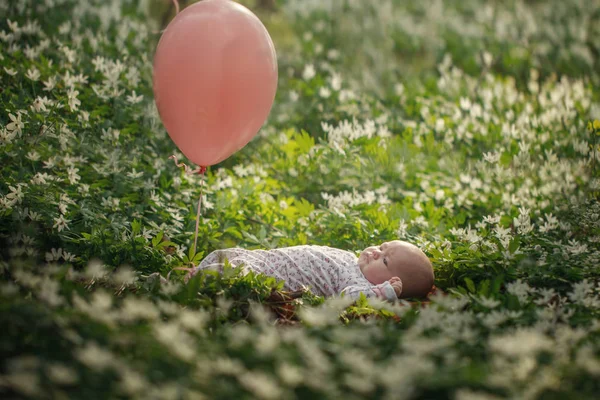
x: 402, y: 259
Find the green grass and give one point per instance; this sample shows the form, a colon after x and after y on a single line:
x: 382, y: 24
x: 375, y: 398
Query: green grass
x: 468, y: 131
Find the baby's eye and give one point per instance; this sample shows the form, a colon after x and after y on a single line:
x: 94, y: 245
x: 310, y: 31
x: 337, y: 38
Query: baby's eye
x: 385, y: 261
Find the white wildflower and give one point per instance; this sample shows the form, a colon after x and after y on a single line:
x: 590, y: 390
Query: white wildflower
x: 95, y: 357
x: 124, y: 275
x: 61, y: 223
x: 134, y: 98
x: 48, y: 291
x: 487, y: 58
x: 24, y: 382
x: 551, y: 223
x: 84, y: 188
x: 575, y: 248
x: 38, y: 105
x: 580, y: 291
x: 227, y: 366
x: 40, y: 178
x: 487, y: 302
x: 520, y: 343
x: 16, y: 125
x: 194, y: 321
x: 491, y: 157
x: 34, y: 216
x: 95, y: 270
x: 68, y: 256
x: 134, y: 309
x: 223, y: 183
x: 61, y: 374
x: 324, y: 92
x: 132, y: 382
x: 261, y: 385
x: 465, y: 103
x: 33, y: 74
x: 588, y: 360
x: 175, y: 339
x: 10, y: 71
x: 294, y: 96
x: 491, y: 219
x: 420, y: 221
x: 453, y: 303
x: 132, y: 76
x: 493, y: 319
x: 72, y: 175
x: 16, y: 193
x: 49, y: 84
x: 309, y: 72
x: 547, y: 295
x: 6, y: 137
x: 440, y: 124
x: 62, y: 207
x: 84, y: 118
x: 290, y: 374
x: 333, y: 54
x: 74, y: 102
x: 64, y: 28
x: 523, y: 222
x: 520, y: 289
x: 70, y: 54
x: 54, y: 255
x: 336, y: 81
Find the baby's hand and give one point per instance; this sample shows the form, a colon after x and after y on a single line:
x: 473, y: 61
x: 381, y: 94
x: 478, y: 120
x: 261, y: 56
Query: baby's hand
x: 397, y: 285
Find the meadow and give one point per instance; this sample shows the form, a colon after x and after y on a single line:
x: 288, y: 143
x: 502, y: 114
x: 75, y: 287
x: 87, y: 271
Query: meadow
x: 469, y: 128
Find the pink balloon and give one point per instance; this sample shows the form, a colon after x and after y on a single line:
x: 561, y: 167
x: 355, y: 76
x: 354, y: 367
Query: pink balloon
x: 215, y: 78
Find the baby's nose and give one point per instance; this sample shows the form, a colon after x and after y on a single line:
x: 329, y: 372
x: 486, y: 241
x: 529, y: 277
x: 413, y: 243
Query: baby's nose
x: 376, y: 254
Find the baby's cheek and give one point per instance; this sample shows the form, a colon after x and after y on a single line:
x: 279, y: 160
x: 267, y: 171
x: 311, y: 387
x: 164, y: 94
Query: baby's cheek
x: 378, y: 275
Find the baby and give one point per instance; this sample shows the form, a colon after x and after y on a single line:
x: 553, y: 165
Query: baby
x: 396, y: 269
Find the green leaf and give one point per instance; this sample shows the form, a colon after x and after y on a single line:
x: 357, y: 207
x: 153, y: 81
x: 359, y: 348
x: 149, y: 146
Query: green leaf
x: 470, y: 285
x: 461, y: 218
x: 136, y: 226
x: 198, y: 257
x: 514, y: 244
x: 304, y: 207
x: 165, y: 243
x: 156, y: 240
x: 305, y: 141
x: 484, y: 288
x: 362, y: 300
x: 191, y: 253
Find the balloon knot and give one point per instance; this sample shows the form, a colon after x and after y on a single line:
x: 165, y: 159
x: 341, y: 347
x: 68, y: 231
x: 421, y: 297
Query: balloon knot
x: 187, y: 169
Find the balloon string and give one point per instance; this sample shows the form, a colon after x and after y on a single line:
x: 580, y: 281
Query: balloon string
x: 201, y: 171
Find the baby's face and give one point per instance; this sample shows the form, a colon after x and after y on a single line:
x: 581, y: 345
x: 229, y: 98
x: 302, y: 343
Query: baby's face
x: 380, y: 263
x: 398, y: 258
